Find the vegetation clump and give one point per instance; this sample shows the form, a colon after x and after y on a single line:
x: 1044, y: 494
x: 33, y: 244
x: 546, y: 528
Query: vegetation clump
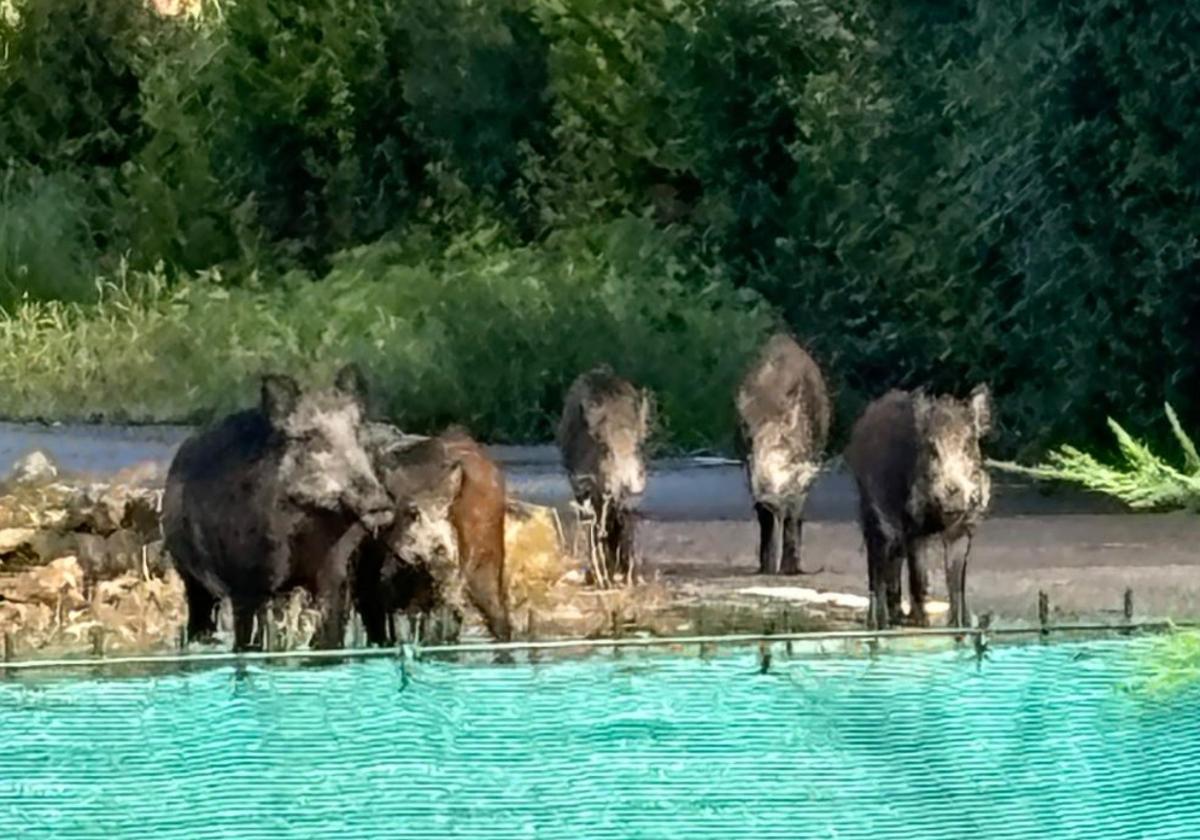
x: 927, y: 193
x: 1143, y: 480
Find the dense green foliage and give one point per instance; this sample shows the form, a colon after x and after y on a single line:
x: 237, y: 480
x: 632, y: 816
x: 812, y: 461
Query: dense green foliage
x: 928, y: 192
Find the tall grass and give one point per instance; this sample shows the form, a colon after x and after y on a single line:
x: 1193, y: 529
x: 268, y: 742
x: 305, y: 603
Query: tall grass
x: 487, y: 334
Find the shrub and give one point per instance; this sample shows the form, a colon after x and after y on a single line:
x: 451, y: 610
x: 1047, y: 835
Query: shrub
x: 1144, y: 481
x: 46, y: 248
x: 488, y: 335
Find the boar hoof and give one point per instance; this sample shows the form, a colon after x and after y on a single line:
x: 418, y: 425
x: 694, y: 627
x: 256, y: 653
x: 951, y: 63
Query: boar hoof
x: 796, y: 570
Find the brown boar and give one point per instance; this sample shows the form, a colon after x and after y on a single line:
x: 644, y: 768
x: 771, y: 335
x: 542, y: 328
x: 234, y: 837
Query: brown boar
x: 446, y: 544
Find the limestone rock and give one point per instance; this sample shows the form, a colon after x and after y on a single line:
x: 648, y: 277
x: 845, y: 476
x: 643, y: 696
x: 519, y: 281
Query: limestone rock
x: 534, y: 559
x: 13, y: 539
x: 34, y: 468
x: 58, y: 583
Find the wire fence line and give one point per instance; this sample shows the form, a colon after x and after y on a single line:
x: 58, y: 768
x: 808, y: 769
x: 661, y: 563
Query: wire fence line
x: 409, y: 650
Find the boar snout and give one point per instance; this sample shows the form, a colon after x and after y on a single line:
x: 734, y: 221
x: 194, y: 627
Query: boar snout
x: 957, y: 499
x: 954, y: 499
x: 624, y: 476
x: 636, y: 482
x: 371, y: 504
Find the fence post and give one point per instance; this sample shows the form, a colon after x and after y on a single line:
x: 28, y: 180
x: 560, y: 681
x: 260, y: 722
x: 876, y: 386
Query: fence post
x: 702, y: 629
x: 981, y: 641
x: 97, y: 634
x: 1044, y: 612
x: 1127, y: 607
x: 531, y: 634
x: 8, y: 647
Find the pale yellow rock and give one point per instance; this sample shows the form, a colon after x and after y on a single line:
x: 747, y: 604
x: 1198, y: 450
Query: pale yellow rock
x: 13, y: 538
x: 534, y: 558
x: 34, y: 468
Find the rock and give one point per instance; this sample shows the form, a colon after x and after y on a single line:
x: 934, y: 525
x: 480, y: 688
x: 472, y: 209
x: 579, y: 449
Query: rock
x: 124, y: 553
x: 58, y: 584
x: 34, y: 468
x: 50, y: 545
x: 534, y: 560
x: 143, y: 474
x: 104, y: 509
x: 13, y: 539
x: 155, y: 560
x: 91, y: 550
x: 804, y: 595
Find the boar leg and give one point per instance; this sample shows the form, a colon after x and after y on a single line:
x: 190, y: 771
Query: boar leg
x: 616, y: 542
x: 486, y: 592
x: 201, y: 606
x: 369, y: 596
x: 956, y: 579
x: 768, y: 543
x: 377, y: 623
x: 918, y: 585
x: 877, y: 556
x: 625, y: 525
x: 243, y: 624
x: 893, y: 581
x: 789, y: 563
x: 332, y: 596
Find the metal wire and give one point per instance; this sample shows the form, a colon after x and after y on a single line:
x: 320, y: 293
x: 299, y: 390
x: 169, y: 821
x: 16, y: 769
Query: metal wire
x: 413, y: 650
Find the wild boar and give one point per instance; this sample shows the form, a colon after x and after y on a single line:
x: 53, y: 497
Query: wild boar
x: 257, y: 504
x: 601, y: 437
x: 917, y: 462
x: 446, y: 544
x: 784, y: 414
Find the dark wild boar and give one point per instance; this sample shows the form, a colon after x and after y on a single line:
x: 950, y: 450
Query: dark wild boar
x: 920, y: 474
x: 601, y: 436
x: 784, y: 413
x: 257, y: 504
x: 445, y: 547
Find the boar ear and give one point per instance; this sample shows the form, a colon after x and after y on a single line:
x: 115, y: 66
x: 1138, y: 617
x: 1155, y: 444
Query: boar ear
x: 351, y: 382
x: 647, y: 411
x: 981, y: 409
x: 279, y: 397
x: 454, y: 480
x: 921, y: 405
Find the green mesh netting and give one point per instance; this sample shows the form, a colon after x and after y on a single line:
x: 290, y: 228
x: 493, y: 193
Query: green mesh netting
x: 1037, y: 742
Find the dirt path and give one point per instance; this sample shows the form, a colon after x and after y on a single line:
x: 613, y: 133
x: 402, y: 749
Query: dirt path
x: 1084, y: 562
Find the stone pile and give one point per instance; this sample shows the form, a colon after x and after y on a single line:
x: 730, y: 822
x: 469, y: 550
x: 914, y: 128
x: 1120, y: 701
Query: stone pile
x: 77, y: 558
x: 81, y: 557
